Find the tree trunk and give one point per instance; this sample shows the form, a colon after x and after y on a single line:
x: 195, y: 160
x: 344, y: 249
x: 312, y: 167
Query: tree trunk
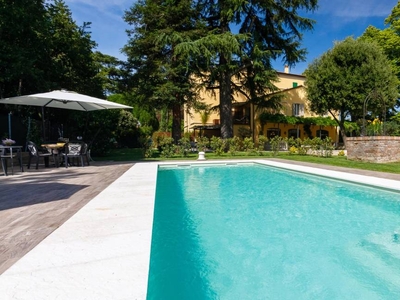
x: 225, y: 106
x: 176, y: 122
x: 343, y: 133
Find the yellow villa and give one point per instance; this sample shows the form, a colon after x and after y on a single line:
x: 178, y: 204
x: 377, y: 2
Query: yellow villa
x: 246, y: 117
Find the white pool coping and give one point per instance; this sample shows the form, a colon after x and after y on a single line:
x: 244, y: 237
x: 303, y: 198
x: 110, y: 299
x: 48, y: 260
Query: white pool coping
x: 103, y: 251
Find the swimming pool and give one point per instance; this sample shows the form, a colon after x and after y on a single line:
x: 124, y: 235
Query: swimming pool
x: 247, y: 231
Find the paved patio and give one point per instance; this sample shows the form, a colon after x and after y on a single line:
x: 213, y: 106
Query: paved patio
x: 35, y: 203
x: 85, y: 233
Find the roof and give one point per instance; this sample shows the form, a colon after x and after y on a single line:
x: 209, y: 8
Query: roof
x: 291, y: 74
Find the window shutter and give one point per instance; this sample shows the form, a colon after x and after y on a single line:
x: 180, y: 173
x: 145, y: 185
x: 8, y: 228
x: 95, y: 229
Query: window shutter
x: 301, y: 110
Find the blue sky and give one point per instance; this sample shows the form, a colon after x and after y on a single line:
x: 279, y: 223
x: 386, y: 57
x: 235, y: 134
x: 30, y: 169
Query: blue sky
x: 335, y: 20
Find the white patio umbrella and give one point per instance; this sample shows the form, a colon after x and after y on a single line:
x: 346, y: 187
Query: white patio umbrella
x: 63, y: 99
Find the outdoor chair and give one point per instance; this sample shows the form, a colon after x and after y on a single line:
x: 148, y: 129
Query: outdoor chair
x: 86, y: 153
x: 35, y: 153
x: 4, y: 156
x: 75, y: 150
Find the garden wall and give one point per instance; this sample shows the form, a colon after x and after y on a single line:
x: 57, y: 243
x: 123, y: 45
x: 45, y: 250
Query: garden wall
x: 378, y: 149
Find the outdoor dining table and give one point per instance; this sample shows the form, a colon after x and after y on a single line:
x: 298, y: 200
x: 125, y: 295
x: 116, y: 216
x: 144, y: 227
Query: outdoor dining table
x: 56, y: 149
x: 11, y: 149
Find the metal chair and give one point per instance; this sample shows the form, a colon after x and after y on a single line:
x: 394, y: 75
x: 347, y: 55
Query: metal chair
x: 75, y: 150
x: 4, y: 156
x: 86, y: 153
x: 36, y: 154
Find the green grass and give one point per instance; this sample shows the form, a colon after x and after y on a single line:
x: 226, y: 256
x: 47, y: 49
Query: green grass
x: 127, y: 154
x: 341, y: 161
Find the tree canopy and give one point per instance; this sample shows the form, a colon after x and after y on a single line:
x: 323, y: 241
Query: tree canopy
x: 160, y: 79
x: 242, y: 40
x: 43, y: 49
x: 225, y: 45
x: 388, y: 39
x: 352, y: 74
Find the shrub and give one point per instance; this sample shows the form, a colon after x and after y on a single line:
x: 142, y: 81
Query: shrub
x: 158, y: 137
x: 183, y: 146
x: 375, y: 127
x: 166, y: 146
x: 292, y: 142
x: 322, y: 147
x: 262, y: 140
x: 234, y: 145
x: 248, y: 144
x: 293, y: 150
x: 327, y: 147
x: 392, y: 128
x: 218, y: 145
x: 146, y: 144
x: 304, y: 146
x: 127, y: 131
x: 275, y: 144
x: 202, y: 143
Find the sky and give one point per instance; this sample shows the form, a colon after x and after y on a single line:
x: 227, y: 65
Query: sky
x: 335, y: 20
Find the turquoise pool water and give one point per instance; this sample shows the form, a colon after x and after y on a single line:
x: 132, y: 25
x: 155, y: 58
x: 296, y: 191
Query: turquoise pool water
x: 255, y: 232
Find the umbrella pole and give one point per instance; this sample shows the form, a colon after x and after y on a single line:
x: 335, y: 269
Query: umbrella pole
x: 44, y: 128
x: 9, y: 125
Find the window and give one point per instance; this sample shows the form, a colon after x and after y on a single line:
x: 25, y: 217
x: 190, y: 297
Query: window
x: 272, y: 132
x: 241, y: 114
x: 294, y: 133
x: 298, y: 109
x: 322, y: 134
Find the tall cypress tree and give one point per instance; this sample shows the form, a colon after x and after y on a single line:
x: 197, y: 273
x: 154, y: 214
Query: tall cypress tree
x: 160, y: 79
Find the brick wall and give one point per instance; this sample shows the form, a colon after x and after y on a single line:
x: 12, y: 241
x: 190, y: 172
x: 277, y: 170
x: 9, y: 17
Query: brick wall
x: 378, y: 149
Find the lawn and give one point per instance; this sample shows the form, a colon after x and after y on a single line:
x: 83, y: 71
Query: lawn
x: 127, y: 154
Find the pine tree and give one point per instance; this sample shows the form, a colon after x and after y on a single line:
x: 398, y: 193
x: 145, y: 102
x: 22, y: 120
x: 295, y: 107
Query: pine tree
x: 161, y: 79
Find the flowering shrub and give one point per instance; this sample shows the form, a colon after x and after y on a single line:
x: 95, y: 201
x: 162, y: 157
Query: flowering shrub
x: 8, y: 142
x: 293, y: 150
x: 375, y: 127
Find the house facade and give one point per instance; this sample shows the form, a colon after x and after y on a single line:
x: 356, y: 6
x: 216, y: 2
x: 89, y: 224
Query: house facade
x: 250, y: 121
